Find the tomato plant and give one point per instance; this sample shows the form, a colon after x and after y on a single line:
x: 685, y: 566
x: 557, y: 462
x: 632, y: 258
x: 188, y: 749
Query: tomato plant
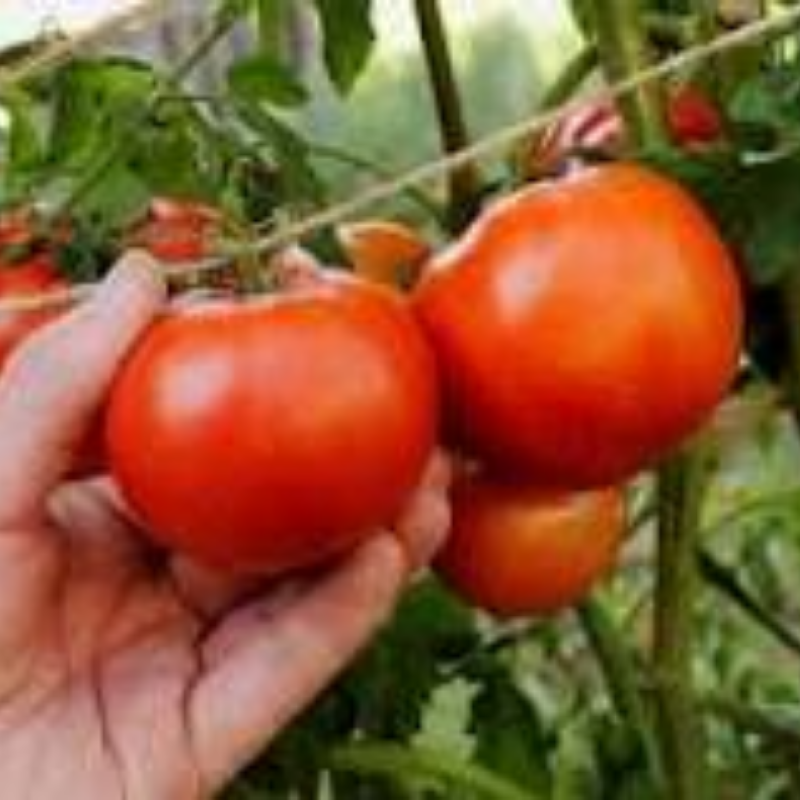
x: 280, y: 431
x: 517, y: 549
x: 578, y: 341
x: 584, y: 327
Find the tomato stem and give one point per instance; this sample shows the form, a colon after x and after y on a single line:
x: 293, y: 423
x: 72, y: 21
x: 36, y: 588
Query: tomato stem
x: 272, y: 17
x: 569, y: 80
x: 464, y: 181
x: 681, y: 485
x: 621, y: 674
x: 624, y: 50
x: 401, y: 761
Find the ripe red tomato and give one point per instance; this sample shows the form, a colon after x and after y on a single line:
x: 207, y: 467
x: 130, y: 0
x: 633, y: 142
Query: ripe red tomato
x: 177, y: 230
x: 517, y: 549
x: 693, y: 118
x: 267, y: 436
x: 33, y: 276
x: 585, y: 326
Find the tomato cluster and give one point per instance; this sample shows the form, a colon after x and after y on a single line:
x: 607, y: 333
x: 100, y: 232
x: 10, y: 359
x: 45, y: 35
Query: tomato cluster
x: 577, y: 333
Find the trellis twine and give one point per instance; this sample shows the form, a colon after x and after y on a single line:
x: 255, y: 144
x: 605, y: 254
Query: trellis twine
x: 425, y: 173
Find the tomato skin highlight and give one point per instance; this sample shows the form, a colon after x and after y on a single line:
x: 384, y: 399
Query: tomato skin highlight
x: 269, y: 436
x: 584, y: 327
x: 518, y: 550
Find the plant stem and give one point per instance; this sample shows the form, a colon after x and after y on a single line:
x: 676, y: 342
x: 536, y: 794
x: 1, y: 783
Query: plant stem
x: 464, y: 181
x: 724, y: 580
x: 271, y: 17
x: 569, y: 80
x: 681, y: 484
x: 402, y: 761
x: 625, y: 49
x: 418, y: 196
x: 620, y: 671
x: 790, y: 301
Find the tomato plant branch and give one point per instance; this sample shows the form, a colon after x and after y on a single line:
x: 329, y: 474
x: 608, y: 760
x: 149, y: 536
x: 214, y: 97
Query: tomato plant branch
x: 681, y: 484
x: 403, y: 762
x: 620, y: 671
x: 464, y: 180
x: 271, y: 17
x: 624, y: 48
x: 418, y: 196
x: 569, y: 80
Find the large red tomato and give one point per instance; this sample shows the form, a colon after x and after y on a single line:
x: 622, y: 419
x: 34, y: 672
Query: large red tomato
x: 584, y: 327
x: 517, y: 549
x: 269, y: 435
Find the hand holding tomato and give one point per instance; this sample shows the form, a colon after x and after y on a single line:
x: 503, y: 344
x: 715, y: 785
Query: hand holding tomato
x: 165, y: 677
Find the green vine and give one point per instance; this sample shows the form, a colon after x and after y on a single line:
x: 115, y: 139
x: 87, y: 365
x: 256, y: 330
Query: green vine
x: 464, y: 181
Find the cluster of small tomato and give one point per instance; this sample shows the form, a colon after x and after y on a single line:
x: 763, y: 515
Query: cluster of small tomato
x: 574, y: 335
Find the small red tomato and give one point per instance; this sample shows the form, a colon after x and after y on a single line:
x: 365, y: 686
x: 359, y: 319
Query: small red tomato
x: 517, y: 549
x: 177, y: 231
x: 270, y: 435
x: 584, y: 327
x: 693, y: 118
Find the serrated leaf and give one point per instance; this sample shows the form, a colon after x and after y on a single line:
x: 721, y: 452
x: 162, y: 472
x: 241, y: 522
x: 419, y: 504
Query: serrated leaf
x: 95, y: 101
x: 262, y: 78
x: 349, y: 36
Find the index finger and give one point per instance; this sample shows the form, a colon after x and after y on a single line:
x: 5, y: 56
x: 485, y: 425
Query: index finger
x: 54, y: 384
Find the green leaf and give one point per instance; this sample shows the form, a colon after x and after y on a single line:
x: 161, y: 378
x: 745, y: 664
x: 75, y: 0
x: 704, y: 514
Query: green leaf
x: 262, y: 78
x: 24, y: 148
x: 510, y: 737
x: 576, y: 771
x: 349, y: 37
x: 767, y: 105
x: 94, y: 103
x: 297, y: 179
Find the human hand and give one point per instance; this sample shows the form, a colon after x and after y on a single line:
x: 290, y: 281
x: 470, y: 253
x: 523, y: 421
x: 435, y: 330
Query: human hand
x: 126, y: 673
